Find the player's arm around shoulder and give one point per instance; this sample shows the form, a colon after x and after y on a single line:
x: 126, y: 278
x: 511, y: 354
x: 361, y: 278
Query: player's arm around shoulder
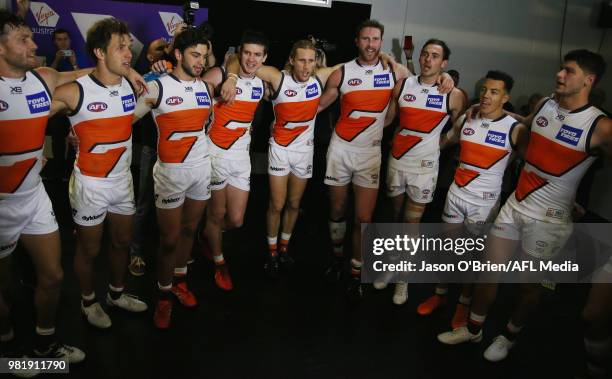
x: 66, y: 99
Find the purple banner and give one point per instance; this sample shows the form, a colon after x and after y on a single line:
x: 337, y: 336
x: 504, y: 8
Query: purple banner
x: 147, y: 22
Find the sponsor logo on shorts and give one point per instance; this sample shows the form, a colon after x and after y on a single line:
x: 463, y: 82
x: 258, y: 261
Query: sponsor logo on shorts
x: 496, y: 138
x: 92, y: 218
x: 426, y: 192
x: 448, y: 215
x: 3, y: 106
x: 312, y: 90
x: 171, y: 200
x: 38, y: 102
x: 327, y: 177
x: 238, y: 90
x: 569, y: 135
x: 272, y: 168
x: 128, y: 102
x: 409, y: 98
x: 354, y: 82
x: 554, y: 213
x: 290, y: 93
x: 542, y: 121
x: 468, y: 131
x: 541, y: 244
x: 309, y: 169
x: 427, y: 163
x: 216, y: 182
x: 97, y: 106
x: 434, y: 101
x: 74, y: 212
x: 174, y: 100
x: 498, y: 227
x: 489, y: 195
x: 382, y: 80
x: 256, y: 93
x: 9, y: 246
x: 202, y: 98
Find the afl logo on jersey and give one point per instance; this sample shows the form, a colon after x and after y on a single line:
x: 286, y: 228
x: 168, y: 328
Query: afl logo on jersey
x: 174, y: 100
x: 290, y: 93
x: 354, y: 82
x: 542, y: 121
x: 3, y: 106
x: 238, y: 90
x: 409, y: 98
x: 97, y: 106
x: 468, y: 131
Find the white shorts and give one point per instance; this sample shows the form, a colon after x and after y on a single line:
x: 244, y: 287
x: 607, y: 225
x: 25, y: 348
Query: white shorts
x: 236, y: 173
x: 474, y: 216
x: 346, y: 166
x: 91, y: 198
x: 30, y: 213
x: 539, y: 239
x: 173, y: 184
x: 419, y: 186
x: 281, y: 162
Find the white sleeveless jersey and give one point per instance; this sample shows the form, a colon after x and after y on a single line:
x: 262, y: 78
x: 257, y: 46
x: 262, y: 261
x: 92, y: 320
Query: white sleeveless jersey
x: 365, y: 94
x: 103, y: 124
x: 295, y: 111
x: 230, y: 130
x: 423, y: 112
x: 557, y: 158
x: 486, y: 146
x: 24, y: 111
x: 181, y: 112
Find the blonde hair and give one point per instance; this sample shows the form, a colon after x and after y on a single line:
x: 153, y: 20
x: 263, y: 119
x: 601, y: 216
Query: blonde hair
x: 301, y: 44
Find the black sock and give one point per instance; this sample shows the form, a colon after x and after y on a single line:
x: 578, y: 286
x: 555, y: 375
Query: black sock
x: 178, y: 279
x: 115, y: 295
x: 473, y: 327
x: 88, y: 303
x: 510, y: 335
x: 164, y: 295
x: 42, y: 343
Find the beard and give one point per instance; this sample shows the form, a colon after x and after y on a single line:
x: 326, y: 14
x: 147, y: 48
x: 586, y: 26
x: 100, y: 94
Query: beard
x: 189, y: 70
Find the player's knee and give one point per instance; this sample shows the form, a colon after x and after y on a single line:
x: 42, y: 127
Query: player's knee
x: 122, y: 241
x: 188, y: 229
x: 217, y: 213
x: 275, y: 206
x: 168, y: 242
x: 234, y: 221
x: 51, y: 279
x: 293, y: 205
